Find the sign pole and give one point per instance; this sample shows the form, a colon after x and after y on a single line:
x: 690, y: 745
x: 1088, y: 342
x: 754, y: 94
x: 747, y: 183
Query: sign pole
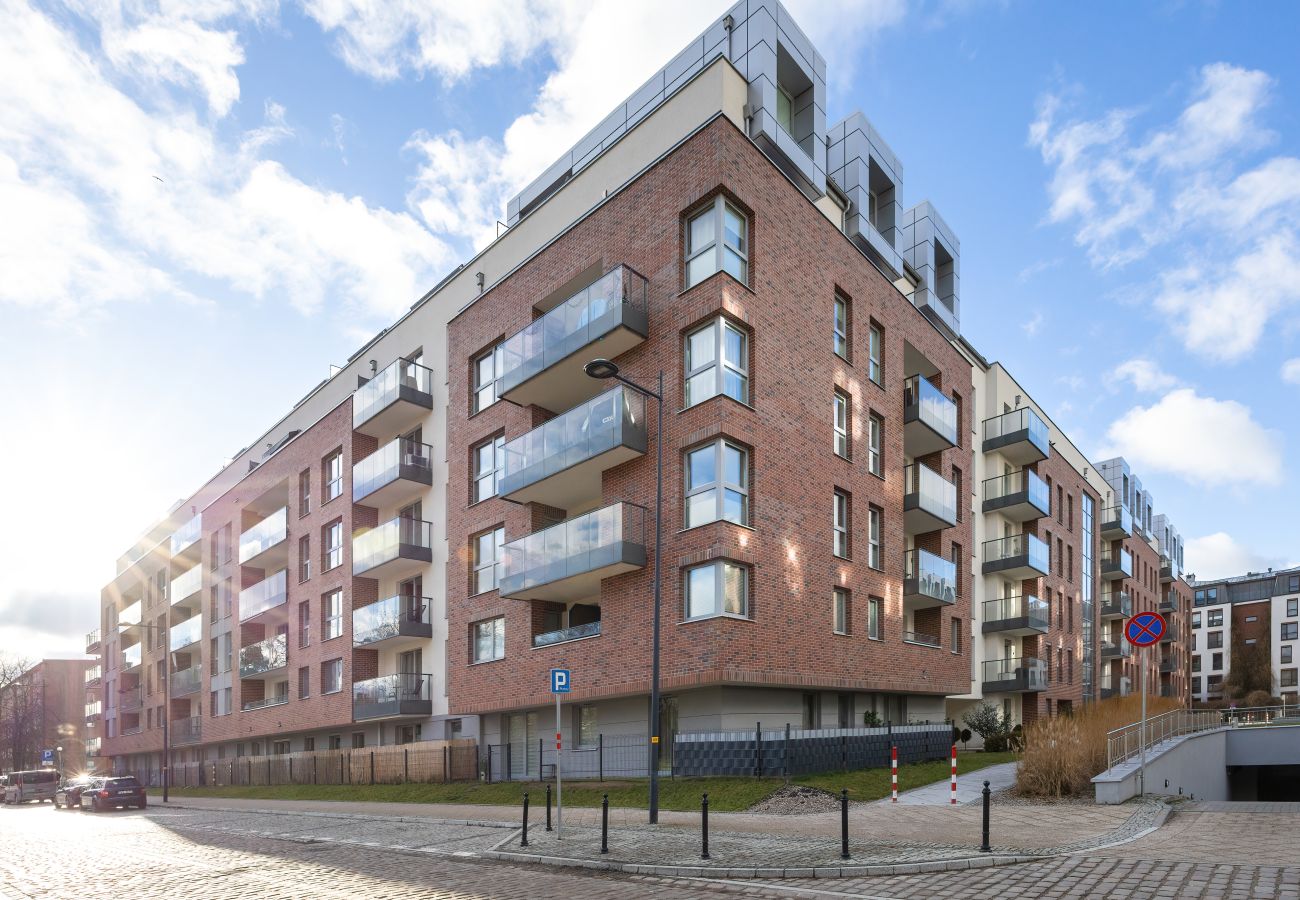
x: 1142, y: 735
x: 559, y: 787
x: 1144, y: 631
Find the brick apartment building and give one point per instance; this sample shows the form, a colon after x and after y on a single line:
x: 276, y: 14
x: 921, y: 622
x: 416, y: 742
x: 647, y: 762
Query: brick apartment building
x: 848, y: 484
x: 52, y: 706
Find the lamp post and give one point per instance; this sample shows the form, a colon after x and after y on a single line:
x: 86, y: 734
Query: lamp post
x: 167, y: 706
x: 59, y: 751
x: 602, y: 369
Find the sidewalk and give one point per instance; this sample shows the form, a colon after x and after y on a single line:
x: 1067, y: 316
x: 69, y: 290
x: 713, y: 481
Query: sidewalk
x: 970, y: 788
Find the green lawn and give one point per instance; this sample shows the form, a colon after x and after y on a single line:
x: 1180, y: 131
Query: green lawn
x: 725, y: 794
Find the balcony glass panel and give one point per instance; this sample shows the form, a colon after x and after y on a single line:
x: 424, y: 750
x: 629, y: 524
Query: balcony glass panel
x: 1018, y: 420
x: 932, y: 407
x: 187, y: 681
x: 264, y: 656
x: 1016, y: 673
x: 276, y: 700
x: 386, y: 542
x: 93, y: 708
x: 130, y: 699
x: 92, y: 640
x: 404, y: 693
x: 1121, y: 561
x: 264, y: 535
x: 1026, y: 482
x: 920, y: 637
x: 1031, y: 609
x: 1116, y: 649
x: 131, y: 656
x: 1017, y: 545
x: 933, y: 575
x: 389, y: 618
x: 585, y: 317
x: 93, y: 674
x: 188, y: 632
x: 1116, y: 603
x: 591, y: 629
x: 396, y: 459
x: 186, y: 535
x: 1116, y: 518
x: 935, y: 494
x: 266, y: 594
x: 386, y: 388
x: 575, y: 547
x: 130, y: 615
x: 186, y: 584
x: 187, y: 730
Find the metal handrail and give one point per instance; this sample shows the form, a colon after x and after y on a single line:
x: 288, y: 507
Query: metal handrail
x: 1127, y: 742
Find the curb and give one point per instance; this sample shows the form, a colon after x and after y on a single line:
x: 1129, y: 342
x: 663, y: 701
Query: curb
x: 427, y: 820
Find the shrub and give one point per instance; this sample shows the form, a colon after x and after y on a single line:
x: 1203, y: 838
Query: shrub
x: 990, y: 724
x: 1258, y: 698
x: 965, y: 736
x: 871, y: 719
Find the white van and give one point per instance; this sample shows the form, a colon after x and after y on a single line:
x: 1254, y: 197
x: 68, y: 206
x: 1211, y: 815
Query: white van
x: 35, y: 784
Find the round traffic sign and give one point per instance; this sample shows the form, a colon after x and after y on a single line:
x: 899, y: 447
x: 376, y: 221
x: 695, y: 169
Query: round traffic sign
x: 1145, y: 629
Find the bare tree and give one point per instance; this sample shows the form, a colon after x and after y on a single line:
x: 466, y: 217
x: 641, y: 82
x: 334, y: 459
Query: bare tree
x: 20, y: 714
x: 1250, y: 671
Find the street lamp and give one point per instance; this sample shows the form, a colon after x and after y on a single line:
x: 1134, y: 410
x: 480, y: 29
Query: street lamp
x: 59, y: 750
x: 167, y: 706
x: 602, y: 369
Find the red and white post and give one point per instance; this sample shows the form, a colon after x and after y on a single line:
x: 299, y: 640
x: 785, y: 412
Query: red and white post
x: 954, y: 774
x: 893, y: 773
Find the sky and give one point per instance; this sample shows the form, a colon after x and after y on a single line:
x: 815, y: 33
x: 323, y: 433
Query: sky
x: 205, y: 203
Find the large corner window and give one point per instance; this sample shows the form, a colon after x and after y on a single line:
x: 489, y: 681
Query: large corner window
x: 486, y: 368
x: 487, y: 464
x: 717, y: 484
x: 717, y: 362
x: 717, y: 240
x: 716, y: 589
x: 486, y: 548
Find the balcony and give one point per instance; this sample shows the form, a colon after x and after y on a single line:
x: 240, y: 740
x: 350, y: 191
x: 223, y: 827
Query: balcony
x: 571, y: 559
x: 264, y: 546
x: 92, y: 642
x: 186, y: 633
x: 187, y: 681
x: 185, y: 541
x: 1016, y: 675
x: 929, y: 500
x: 93, y: 676
x: 275, y: 700
x: 131, y: 616
x: 1167, y: 690
x: 393, y: 621
x: 93, y: 746
x: 1115, y: 687
x: 1020, y: 436
x: 1017, y: 615
x: 1169, y: 604
x: 395, y: 549
x: 1016, y: 556
x: 266, y: 595
x: 1170, y: 571
x: 1116, y: 523
x: 186, y: 585
x: 920, y: 638
x: 564, y: 635
x: 928, y: 580
x: 1168, y: 666
x: 130, y: 699
x: 131, y: 657
x: 188, y: 730
x: 929, y: 418
x: 93, y: 709
x: 128, y: 730
x: 1171, y: 634
x: 393, y: 474
x: 542, y: 364
x: 1117, y: 649
x: 1020, y: 496
x: 260, y: 659
x: 1116, y: 605
x: 561, y: 463
x: 394, y: 400
x: 403, y: 694
x: 1116, y: 565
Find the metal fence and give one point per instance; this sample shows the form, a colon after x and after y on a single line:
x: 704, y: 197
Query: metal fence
x: 611, y: 756
x: 421, y: 762
x: 1127, y: 742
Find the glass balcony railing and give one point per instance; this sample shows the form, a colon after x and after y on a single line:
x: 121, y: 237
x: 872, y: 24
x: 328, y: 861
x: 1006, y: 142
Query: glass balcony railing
x: 187, y: 584
x: 1020, y: 673
x: 399, y: 380
x: 1116, y: 605
x: 929, y: 499
x: 1017, y: 555
x: 1116, y: 521
x: 1116, y: 649
x: 1169, y: 603
x: 928, y: 579
x: 92, y: 747
x: 396, y: 539
x: 1114, y: 687
x: 188, y: 730
x: 925, y: 405
x: 93, y: 709
x: 131, y: 615
x: 920, y: 637
x: 1116, y: 564
x: 1019, y: 495
x: 187, y: 535
x: 576, y: 632
x: 1021, y: 435
x: 256, y: 660
x: 612, y: 423
x: 186, y: 633
x: 391, y: 618
x: 131, y: 656
x: 601, y: 543
x: 273, y: 700
x: 616, y: 300
x: 266, y: 594
x: 93, y: 674
x: 264, y: 535
x: 130, y: 699
x: 402, y: 694
x: 398, y: 460
x: 1016, y: 613
x: 1169, y: 569
x: 187, y: 681
x: 92, y: 641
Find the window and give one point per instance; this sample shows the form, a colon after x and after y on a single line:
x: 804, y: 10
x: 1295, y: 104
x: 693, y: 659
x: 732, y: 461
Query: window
x: 486, y: 368
x: 1216, y: 661
x: 488, y: 640
x: 875, y: 551
x: 1196, y: 620
x: 304, y: 558
x: 875, y: 443
x: 716, y: 589
x: 588, y: 730
x: 840, y: 610
x: 1215, y: 640
x: 332, y: 610
x: 1196, y: 684
x: 1291, y: 606
x: 1293, y: 582
x: 705, y: 254
x: 309, y: 744
x: 332, y: 475
x: 717, y: 362
x: 876, y: 354
x: 1289, y: 630
x: 1196, y: 663
x: 333, y: 541
x: 840, y: 525
x: 1288, y: 678
x: 1286, y: 654
x: 841, y: 421
x: 304, y: 492
x: 1252, y: 618
x: 784, y: 117
x: 335, y: 741
x: 955, y: 630
x: 488, y: 458
x: 486, y: 549
x: 304, y: 682
x: 841, y: 339
x: 717, y: 487
x: 304, y: 624
x: 1214, y: 618
x: 873, y: 618
x: 358, y: 740
x: 331, y: 676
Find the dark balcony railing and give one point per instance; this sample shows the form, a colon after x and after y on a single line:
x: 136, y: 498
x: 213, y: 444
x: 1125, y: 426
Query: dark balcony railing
x: 1016, y: 614
x: 1020, y: 496
x: 188, y: 730
x: 929, y: 418
x: 92, y: 641
x: 573, y: 633
x: 1116, y: 522
x: 264, y: 535
x: 582, y: 443
x: 400, y: 460
x: 186, y: 633
x: 401, y: 383
x: 402, y: 694
x: 1171, y: 634
x: 573, y: 556
x: 1116, y: 564
x: 187, y: 681
x: 1116, y: 605
x: 256, y: 660
x: 1017, y: 556
x: 928, y: 580
x: 929, y: 500
x: 1168, y: 666
x: 1014, y: 675
x: 187, y: 535
x: 919, y: 637
x: 1020, y: 435
x: 395, y: 540
x: 391, y: 618
x: 265, y: 595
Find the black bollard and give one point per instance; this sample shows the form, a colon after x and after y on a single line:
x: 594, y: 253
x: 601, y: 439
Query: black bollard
x: 704, y: 826
x: 524, y: 842
x: 548, y: 807
x: 604, y: 823
x: 984, y: 847
x: 844, y: 823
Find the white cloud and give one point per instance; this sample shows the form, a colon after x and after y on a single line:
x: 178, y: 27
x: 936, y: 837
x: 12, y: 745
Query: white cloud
x: 1220, y: 118
x: 1200, y: 439
x: 1291, y: 371
x: 1219, y: 555
x: 1031, y: 325
x: 1144, y: 375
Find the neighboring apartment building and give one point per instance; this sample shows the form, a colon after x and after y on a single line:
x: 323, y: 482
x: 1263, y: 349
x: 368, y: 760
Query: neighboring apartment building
x: 52, y: 706
x: 1258, y: 608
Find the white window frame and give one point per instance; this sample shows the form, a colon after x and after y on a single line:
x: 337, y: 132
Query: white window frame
x: 332, y: 677
x: 494, y: 630
x: 487, y: 572
x: 719, y: 487
x: 693, y: 607
x: 875, y: 354
x: 875, y: 537
x: 840, y: 610
x: 875, y: 445
x: 841, y: 425
x: 333, y: 545
x: 333, y: 475
x: 717, y: 244
x: 840, y: 525
x: 719, y: 365
x: 874, y: 614
x: 484, y: 390
x: 333, y: 623
x: 840, y: 341
x: 488, y: 459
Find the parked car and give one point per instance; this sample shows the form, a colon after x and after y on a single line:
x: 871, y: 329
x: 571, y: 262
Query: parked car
x: 34, y: 785
x: 107, y: 793
x: 68, y: 796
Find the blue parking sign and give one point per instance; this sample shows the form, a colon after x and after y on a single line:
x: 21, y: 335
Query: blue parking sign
x: 47, y: 756
x: 560, y: 682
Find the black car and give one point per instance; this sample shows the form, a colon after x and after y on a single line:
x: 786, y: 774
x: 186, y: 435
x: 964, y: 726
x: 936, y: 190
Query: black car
x: 68, y: 796
x: 107, y: 793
